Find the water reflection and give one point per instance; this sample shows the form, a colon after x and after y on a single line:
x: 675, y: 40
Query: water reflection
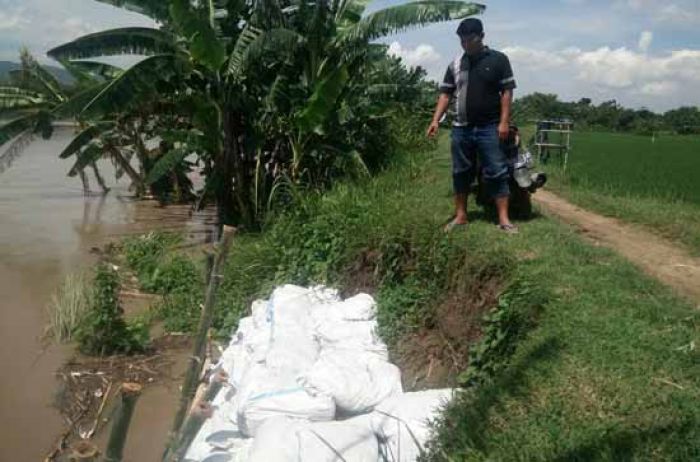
x: 47, y: 229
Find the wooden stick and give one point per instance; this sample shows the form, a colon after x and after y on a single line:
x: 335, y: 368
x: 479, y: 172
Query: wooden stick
x: 201, y: 412
x: 199, y: 350
x: 130, y: 392
x: 99, y: 411
x: 198, y: 415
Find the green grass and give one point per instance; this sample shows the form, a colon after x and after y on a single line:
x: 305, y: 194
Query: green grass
x: 610, y: 371
x: 629, y: 177
x: 607, y: 369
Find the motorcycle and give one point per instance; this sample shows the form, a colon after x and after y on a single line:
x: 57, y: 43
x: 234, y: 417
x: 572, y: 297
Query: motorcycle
x: 523, y: 180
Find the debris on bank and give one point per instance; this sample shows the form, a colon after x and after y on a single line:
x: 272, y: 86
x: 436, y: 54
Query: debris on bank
x: 308, y: 378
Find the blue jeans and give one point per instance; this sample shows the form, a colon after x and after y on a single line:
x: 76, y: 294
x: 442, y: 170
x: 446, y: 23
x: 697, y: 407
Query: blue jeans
x: 466, y: 143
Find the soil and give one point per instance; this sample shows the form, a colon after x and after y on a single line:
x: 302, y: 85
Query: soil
x: 656, y: 256
x: 360, y: 276
x: 439, y: 352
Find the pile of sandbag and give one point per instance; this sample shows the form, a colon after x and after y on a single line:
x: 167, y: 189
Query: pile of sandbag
x: 310, y: 380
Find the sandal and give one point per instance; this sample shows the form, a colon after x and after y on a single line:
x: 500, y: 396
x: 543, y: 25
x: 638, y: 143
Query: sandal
x: 452, y: 224
x: 509, y: 228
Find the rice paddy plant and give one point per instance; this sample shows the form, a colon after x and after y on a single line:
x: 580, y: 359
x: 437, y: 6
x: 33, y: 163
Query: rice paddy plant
x: 664, y: 166
x: 68, y: 307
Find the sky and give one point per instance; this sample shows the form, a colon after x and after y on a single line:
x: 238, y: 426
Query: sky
x: 642, y: 53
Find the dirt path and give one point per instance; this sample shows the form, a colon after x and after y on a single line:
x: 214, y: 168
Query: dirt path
x: 658, y: 257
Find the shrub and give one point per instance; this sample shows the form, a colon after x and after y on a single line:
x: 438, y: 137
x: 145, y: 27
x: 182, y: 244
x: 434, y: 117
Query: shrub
x: 175, y: 273
x: 104, y: 330
x: 143, y: 253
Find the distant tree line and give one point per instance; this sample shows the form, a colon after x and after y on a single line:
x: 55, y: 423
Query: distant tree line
x: 608, y: 115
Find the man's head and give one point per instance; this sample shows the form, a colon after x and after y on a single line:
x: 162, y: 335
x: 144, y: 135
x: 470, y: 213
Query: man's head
x: 471, y: 35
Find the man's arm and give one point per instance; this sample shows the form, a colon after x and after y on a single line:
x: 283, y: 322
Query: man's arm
x: 442, y: 103
x: 507, y: 85
x: 447, y: 88
x: 506, y: 103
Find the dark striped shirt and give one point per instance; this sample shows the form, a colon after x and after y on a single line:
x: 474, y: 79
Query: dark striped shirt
x: 475, y: 84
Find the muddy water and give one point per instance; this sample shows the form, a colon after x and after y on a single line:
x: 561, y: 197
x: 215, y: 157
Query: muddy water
x: 47, y: 229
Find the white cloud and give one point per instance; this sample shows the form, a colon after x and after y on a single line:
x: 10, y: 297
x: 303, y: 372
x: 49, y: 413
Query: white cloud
x: 662, y: 88
x: 633, y: 77
x: 681, y: 12
x: 534, y: 59
x: 645, y: 41
x: 422, y: 55
x: 12, y: 20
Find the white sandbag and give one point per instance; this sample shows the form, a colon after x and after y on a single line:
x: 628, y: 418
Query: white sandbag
x: 248, y: 345
x: 266, y: 393
x: 360, y: 336
x: 219, y: 433
x: 289, y: 440
x: 289, y: 304
x: 293, y: 349
x: 260, y: 314
x: 276, y: 441
x: 361, y: 307
x: 357, y: 381
x: 401, y: 422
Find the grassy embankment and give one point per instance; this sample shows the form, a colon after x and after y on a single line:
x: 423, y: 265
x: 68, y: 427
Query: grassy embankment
x: 570, y: 352
x: 630, y: 177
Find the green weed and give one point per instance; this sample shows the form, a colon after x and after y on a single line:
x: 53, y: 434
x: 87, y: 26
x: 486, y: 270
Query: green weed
x: 104, y: 330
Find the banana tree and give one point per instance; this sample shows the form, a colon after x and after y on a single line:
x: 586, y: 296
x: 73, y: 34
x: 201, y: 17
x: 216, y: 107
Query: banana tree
x: 228, y: 58
x: 35, y: 99
x: 335, y: 56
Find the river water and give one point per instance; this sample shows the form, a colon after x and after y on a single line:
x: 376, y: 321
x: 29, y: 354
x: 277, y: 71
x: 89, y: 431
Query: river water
x: 47, y: 230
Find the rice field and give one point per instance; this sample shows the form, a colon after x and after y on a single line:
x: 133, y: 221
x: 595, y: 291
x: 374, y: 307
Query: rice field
x: 651, y: 182
x: 667, y: 167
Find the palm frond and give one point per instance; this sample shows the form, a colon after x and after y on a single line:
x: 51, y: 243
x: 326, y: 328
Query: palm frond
x: 399, y: 18
x: 154, y: 9
x: 248, y: 36
x: 204, y: 44
x: 255, y: 43
x: 323, y: 99
x: 92, y: 69
x: 124, y: 41
x: 133, y: 87
x: 167, y: 163
x: 350, y: 11
x: 76, y: 103
x: 46, y: 80
x: 13, y: 98
x: 17, y: 126
x: 86, y: 156
x: 83, y: 138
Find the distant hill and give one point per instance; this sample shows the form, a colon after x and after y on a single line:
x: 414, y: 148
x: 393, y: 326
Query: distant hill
x: 61, y: 74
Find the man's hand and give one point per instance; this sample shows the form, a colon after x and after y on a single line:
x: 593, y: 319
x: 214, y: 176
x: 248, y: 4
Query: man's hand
x: 503, y: 131
x: 433, y: 129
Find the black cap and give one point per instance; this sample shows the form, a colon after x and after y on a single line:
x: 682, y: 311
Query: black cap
x: 470, y: 26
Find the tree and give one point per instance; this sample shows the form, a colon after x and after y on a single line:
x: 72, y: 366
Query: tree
x: 684, y: 120
x: 35, y: 98
x: 222, y: 65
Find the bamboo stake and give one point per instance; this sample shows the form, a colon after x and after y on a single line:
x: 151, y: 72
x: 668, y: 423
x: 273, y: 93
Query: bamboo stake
x: 130, y: 392
x: 198, y: 415
x: 194, y: 370
x: 201, y: 412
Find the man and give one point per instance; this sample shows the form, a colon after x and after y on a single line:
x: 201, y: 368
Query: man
x: 481, y: 83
